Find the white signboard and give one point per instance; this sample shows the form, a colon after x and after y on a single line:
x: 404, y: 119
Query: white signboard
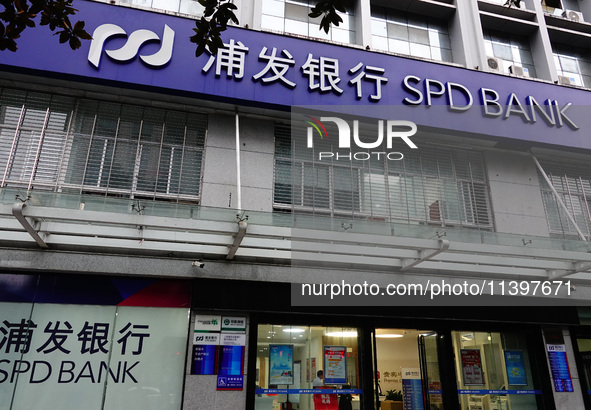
x: 233, y: 324
x: 208, y: 323
x: 233, y: 339
x: 206, y: 338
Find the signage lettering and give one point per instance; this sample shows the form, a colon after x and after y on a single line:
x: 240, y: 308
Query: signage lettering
x: 323, y: 75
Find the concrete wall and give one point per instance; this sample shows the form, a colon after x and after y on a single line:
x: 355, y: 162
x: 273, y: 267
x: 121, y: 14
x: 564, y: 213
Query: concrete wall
x: 515, y: 194
x: 256, y: 157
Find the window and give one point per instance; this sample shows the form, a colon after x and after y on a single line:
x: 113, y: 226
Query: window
x: 290, y: 357
x: 511, y: 49
x: 410, y: 34
x: 574, y: 63
x: 77, y: 145
x: 432, y: 185
x: 573, y: 184
x: 491, y: 367
x: 291, y: 16
x: 189, y: 7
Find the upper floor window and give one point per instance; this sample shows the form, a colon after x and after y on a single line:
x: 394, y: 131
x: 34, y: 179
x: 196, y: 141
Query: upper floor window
x: 573, y: 184
x: 411, y: 34
x: 434, y: 185
x: 189, y: 7
x: 291, y: 16
x: 558, y: 7
x: 573, y: 63
x: 511, y: 50
x: 65, y: 144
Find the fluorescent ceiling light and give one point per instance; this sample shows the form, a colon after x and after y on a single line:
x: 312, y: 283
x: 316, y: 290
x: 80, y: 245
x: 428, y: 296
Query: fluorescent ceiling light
x: 389, y: 335
x: 350, y: 333
x: 294, y: 330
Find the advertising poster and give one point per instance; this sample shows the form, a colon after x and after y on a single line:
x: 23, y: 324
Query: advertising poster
x: 335, y: 365
x: 204, y: 359
x: 472, y: 367
x: 515, y: 368
x: 230, y: 360
x: 280, y: 364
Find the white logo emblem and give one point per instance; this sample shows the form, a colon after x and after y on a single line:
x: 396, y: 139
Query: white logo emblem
x: 131, y: 48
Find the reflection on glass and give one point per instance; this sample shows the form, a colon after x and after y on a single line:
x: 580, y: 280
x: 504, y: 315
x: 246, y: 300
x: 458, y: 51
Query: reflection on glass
x: 406, y: 33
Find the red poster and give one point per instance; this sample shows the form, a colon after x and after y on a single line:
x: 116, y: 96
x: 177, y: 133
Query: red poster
x: 472, y: 367
x: 326, y: 402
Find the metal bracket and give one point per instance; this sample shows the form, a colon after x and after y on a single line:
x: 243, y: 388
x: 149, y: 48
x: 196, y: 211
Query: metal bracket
x: 17, y: 211
x: 425, y: 255
x: 576, y: 268
x: 237, y: 239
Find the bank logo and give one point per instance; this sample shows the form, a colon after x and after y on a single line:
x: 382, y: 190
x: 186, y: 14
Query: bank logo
x: 132, y: 46
x: 388, y: 131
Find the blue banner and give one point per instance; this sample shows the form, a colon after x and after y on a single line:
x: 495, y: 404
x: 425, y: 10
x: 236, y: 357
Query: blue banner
x: 308, y: 391
x: 230, y: 383
x: 500, y: 392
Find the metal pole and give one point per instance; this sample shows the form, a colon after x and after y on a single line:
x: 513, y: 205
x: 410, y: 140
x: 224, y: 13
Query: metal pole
x: 238, y: 183
x: 562, y: 204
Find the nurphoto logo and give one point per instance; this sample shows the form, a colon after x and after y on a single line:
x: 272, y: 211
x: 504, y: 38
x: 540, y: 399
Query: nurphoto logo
x: 386, y: 130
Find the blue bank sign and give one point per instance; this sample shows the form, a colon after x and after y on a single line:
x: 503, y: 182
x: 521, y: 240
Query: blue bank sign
x: 137, y: 48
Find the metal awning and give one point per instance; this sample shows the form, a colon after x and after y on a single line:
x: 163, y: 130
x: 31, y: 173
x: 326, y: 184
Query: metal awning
x: 137, y: 234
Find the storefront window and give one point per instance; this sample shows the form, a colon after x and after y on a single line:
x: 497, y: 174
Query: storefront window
x: 493, y: 371
x: 289, y: 359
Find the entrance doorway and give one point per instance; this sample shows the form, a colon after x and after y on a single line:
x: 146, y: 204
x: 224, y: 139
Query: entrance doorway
x: 407, y: 370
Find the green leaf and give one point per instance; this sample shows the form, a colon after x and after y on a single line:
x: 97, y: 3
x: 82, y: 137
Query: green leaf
x: 75, y: 43
x: 64, y: 36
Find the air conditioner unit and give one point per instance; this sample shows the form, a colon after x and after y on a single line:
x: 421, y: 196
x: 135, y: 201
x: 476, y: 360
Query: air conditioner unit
x: 564, y: 80
x: 573, y: 15
x: 519, y: 71
x: 494, y: 64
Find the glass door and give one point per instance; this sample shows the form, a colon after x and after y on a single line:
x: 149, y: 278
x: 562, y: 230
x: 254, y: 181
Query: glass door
x: 406, y: 364
x: 428, y: 355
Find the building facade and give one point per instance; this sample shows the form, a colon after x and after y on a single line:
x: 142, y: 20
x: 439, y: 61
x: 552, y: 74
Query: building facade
x: 205, y: 232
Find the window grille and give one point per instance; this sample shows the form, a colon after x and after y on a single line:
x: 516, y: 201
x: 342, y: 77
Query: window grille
x: 573, y: 184
x: 433, y: 185
x: 65, y: 144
